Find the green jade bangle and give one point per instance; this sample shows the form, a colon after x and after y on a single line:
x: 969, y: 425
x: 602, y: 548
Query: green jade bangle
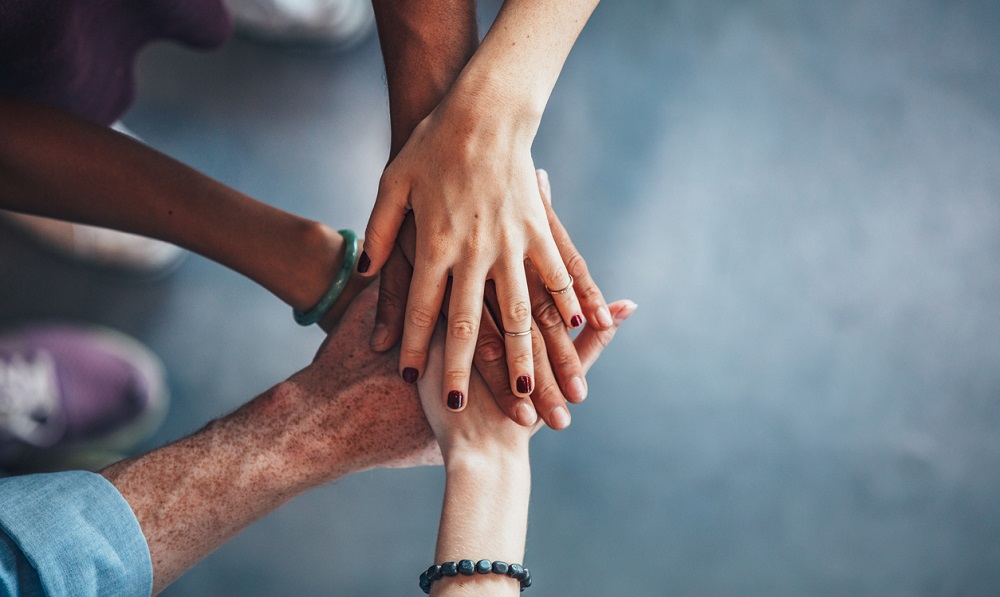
x: 339, y: 283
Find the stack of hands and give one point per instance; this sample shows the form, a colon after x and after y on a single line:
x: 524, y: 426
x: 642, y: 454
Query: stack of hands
x: 349, y: 411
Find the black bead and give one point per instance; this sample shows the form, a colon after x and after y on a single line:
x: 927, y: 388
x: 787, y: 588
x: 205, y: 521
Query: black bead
x: 449, y: 569
x: 466, y: 567
x: 500, y: 567
x: 425, y: 583
x: 483, y: 567
x: 434, y: 572
x: 526, y: 581
x: 516, y: 571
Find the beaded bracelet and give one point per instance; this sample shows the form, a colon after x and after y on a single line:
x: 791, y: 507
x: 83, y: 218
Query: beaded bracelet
x: 339, y: 283
x: 468, y: 568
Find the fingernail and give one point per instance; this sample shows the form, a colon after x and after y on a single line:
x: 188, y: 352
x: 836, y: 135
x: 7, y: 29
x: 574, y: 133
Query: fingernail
x: 410, y: 375
x: 559, y: 417
x: 526, y: 415
x: 455, y: 400
x: 364, y: 262
x: 576, y: 321
x: 576, y: 389
x: 379, y: 335
x: 604, y: 317
x: 524, y: 384
x: 626, y: 312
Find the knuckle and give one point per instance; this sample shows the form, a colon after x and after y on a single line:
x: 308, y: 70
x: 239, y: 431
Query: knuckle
x: 521, y: 362
x: 587, y: 291
x: 412, y: 355
x: 463, y: 327
x: 421, y: 317
x: 565, y: 362
x: 548, y: 317
x: 456, y: 375
x: 559, y: 278
x: 577, y: 266
x: 547, y: 391
x: 518, y: 312
x: 374, y: 239
x: 388, y: 298
x: 490, y: 349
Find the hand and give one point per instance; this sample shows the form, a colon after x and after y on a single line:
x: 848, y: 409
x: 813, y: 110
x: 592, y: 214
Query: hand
x: 558, y: 374
x: 477, y: 217
x: 484, y: 427
x: 351, y: 402
x: 346, y: 412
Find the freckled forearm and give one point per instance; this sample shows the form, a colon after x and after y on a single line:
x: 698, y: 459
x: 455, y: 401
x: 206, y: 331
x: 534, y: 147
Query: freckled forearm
x: 192, y: 496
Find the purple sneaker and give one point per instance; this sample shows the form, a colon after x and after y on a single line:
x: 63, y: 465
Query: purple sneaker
x: 72, y: 396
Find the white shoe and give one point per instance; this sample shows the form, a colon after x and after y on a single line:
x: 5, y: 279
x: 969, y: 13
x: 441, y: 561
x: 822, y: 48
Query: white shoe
x: 99, y: 246
x: 336, y: 24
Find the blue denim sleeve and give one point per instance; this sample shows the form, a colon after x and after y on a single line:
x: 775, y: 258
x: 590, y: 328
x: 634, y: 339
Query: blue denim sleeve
x: 70, y: 534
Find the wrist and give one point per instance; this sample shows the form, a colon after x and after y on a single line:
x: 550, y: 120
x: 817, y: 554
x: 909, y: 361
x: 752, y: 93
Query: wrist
x: 485, y: 511
x: 320, y: 255
x: 487, y: 104
x: 490, y: 460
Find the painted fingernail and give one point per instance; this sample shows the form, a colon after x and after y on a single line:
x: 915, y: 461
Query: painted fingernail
x: 576, y: 389
x: 604, y: 317
x: 410, y: 375
x: 364, y: 262
x: 455, y: 400
x: 576, y: 321
x: 626, y: 312
x: 379, y: 335
x: 524, y: 385
x: 526, y: 416
x: 559, y: 417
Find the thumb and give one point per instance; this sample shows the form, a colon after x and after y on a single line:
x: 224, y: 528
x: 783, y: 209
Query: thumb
x: 391, y: 207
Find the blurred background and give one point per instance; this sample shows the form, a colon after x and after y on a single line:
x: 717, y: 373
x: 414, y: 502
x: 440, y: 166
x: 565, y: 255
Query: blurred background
x: 803, y: 199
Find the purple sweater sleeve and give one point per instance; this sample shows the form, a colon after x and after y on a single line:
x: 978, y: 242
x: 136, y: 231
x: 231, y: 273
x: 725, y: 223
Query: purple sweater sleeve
x: 79, y: 55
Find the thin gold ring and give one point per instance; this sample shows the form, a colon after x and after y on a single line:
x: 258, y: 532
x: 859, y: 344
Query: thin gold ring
x: 517, y: 334
x: 562, y: 290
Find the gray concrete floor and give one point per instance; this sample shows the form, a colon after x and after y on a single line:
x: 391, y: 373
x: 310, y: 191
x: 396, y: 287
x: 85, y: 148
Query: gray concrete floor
x: 803, y: 198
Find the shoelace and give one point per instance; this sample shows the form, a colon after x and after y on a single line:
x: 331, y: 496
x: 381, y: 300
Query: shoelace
x: 29, y: 399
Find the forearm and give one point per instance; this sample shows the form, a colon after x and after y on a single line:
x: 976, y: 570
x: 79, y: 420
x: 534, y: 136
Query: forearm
x: 56, y: 165
x: 425, y: 45
x: 484, y: 516
x: 192, y: 496
x: 514, y: 70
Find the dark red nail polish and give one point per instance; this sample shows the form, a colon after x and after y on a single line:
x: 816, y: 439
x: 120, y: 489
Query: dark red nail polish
x: 455, y: 400
x: 524, y: 384
x: 364, y: 262
x: 576, y: 321
x: 410, y: 375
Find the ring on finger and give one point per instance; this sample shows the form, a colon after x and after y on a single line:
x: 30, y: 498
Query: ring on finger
x: 517, y: 334
x: 561, y: 290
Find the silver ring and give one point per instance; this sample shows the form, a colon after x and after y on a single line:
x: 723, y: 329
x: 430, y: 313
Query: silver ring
x: 517, y: 334
x: 562, y: 290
